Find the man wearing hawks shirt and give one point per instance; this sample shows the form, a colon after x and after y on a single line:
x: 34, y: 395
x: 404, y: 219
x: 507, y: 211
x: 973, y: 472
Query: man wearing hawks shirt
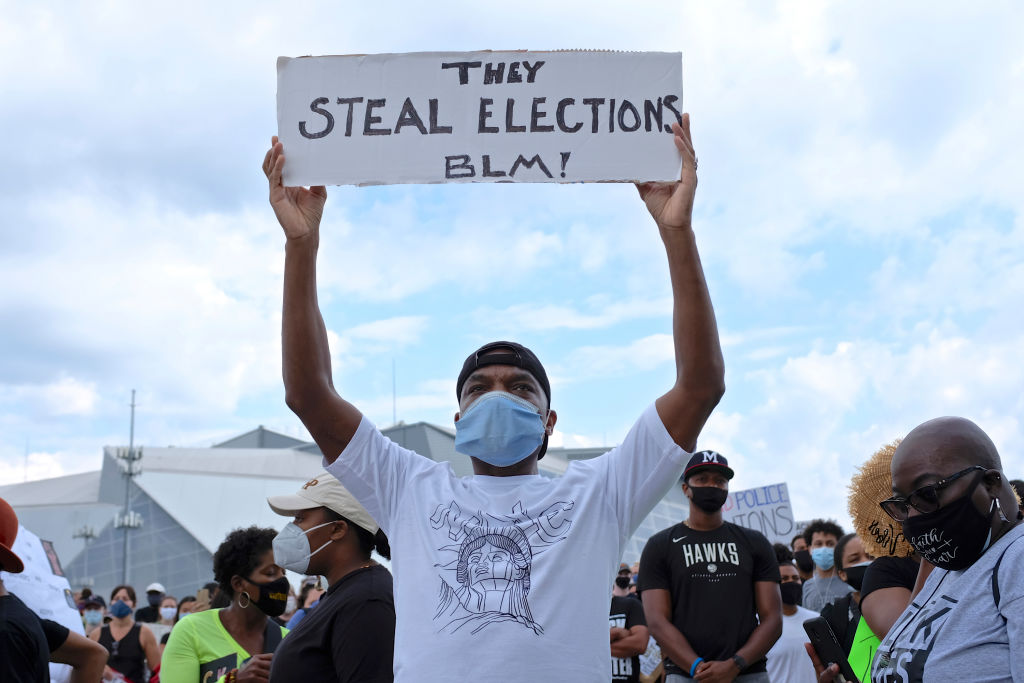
x: 711, y: 588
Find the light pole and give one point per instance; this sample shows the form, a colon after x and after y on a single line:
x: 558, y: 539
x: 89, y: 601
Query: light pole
x: 131, y: 466
x: 87, y: 534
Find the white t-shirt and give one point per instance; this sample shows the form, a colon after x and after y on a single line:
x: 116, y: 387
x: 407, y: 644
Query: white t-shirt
x: 507, y: 578
x: 788, y: 660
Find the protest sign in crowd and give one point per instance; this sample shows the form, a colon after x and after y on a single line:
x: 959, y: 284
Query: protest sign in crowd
x: 514, y: 576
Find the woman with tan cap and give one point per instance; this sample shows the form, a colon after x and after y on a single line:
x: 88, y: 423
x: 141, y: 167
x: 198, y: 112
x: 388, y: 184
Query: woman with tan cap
x: 350, y: 635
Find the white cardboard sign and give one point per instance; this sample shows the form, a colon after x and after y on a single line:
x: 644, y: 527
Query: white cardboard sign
x: 766, y: 509
x: 442, y: 117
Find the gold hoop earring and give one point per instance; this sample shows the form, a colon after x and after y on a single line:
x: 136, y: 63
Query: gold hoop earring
x: 247, y: 598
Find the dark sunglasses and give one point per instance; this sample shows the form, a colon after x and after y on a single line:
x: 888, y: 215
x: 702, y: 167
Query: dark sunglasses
x: 924, y: 499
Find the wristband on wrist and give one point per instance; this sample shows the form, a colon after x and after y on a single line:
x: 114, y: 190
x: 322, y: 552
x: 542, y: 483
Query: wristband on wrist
x: 740, y: 663
x: 693, y: 669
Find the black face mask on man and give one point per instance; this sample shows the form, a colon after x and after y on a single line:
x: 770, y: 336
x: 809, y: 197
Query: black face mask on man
x: 803, y: 560
x: 622, y: 581
x: 792, y: 592
x: 709, y: 498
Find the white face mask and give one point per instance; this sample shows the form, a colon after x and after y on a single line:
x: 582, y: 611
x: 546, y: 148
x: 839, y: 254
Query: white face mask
x: 291, y: 547
x: 168, y: 613
x: 291, y: 605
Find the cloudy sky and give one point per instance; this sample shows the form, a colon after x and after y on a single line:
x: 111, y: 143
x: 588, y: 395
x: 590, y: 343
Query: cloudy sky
x: 859, y: 218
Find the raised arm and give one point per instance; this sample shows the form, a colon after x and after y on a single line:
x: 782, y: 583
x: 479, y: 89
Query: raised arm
x: 306, y: 356
x: 700, y: 370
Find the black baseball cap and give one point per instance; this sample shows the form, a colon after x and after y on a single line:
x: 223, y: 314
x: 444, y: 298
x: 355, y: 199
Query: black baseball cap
x: 504, y: 353
x: 94, y: 600
x: 703, y: 461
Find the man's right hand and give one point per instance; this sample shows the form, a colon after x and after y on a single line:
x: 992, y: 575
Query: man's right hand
x: 298, y: 209
x: 256, y: 670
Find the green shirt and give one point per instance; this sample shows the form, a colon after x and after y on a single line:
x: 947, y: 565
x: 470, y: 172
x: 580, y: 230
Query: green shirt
x: 865, y: 642
x: 200, y: 650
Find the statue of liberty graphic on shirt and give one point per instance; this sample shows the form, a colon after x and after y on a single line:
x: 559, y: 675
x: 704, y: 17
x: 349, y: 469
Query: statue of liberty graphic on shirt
x: 488, y: 580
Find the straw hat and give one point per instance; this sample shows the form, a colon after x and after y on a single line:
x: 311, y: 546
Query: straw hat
x: 870, y: 486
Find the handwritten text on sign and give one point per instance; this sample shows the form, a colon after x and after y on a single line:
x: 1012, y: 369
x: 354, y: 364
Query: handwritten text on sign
x: 479, y: 117
x: 766, y: 509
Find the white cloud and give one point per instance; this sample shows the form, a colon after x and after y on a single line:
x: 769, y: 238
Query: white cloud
x: 62, y: 397
x: 598, y: 312
x: 858, y: 217
x: 639, y: 355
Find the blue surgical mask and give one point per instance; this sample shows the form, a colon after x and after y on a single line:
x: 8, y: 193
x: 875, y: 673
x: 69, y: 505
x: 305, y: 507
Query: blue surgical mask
x: 824, y: 558
x: 120, y: 609
x: 499, y: 428
x: 93, y: 616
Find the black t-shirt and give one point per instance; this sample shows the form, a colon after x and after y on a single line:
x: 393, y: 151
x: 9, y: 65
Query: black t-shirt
x: 889, y: 572
x: 626, y: 613
x: 56, y: 634
x: 710, y: 576
x: 24, y: 653
x: 147, y: 615
x: 349, y: 637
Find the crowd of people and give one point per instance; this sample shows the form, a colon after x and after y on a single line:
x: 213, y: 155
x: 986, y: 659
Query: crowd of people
x: 507, y: 574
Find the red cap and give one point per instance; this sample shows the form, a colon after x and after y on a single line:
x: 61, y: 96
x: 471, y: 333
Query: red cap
x: 9, y: 562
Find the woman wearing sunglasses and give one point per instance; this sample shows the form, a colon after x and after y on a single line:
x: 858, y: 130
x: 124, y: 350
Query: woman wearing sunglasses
x: 959, y: 512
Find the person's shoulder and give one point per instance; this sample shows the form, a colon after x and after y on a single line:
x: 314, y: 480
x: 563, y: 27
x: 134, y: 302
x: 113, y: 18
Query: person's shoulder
x: 1011, y: 557
x: 620, y: 604
x: 376, y: 583
x: 198, y: 620
x: 662, y: 537
x: 1015, y: 543
x: 18, y: 615
x: 755, y: 537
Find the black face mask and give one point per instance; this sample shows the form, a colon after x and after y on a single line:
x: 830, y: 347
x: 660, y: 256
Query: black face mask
x: 792, y: 592
x: 709, y: 498
x: 622, y: 581
x: 803, y: 561
x: 954, y: 536
x: 154, y: 599
x: 855, y: 576
x: 273, y: 596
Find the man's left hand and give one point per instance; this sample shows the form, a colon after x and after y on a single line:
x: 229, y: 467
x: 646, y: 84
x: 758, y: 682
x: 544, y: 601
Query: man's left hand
x: 671, y: 204
x: 716, y: 672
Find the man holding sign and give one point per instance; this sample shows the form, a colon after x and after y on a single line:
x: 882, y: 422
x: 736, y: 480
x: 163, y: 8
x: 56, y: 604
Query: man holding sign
x: 504, y: 573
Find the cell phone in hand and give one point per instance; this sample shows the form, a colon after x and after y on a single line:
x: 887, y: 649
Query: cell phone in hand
x: 828, y: 648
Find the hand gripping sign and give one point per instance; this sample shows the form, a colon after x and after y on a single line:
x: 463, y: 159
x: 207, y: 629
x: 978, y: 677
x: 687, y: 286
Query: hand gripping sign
x: 442, y: 117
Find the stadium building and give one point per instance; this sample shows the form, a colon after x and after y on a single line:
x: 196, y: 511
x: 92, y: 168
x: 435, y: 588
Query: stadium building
x: 184, y: 501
